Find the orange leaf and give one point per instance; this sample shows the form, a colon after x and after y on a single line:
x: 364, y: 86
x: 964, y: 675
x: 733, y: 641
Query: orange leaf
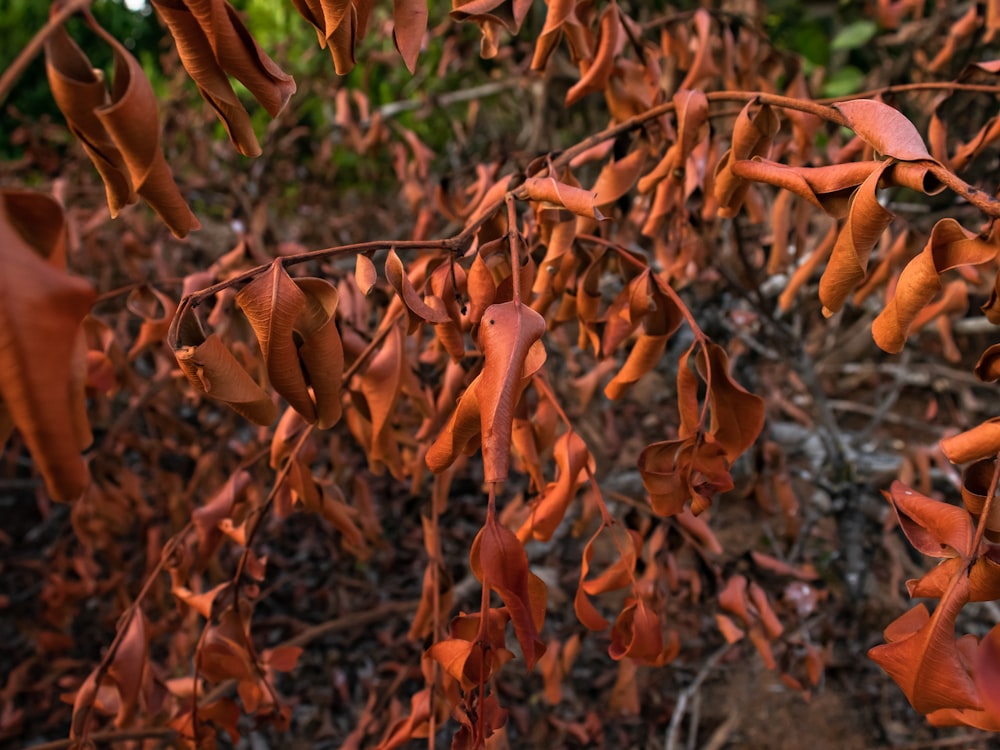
x: 922, y: 658
x: 982, y: 441
x: 550, y: 190
x: 934, y: 527
x: 828, y: 188
x: 752, y: 136
x: 561, y: 19
x: 212, y: 40
x: 157, y: 310
x: 213, y: 371
x: 737, y: 415
x: 866, y: 220
x: 119, y: 129
x: 365, y: 274
x: 416, y: 307
x: 597, y: 71
x: 128, y: 665
x: 572, y: 458
x: 42, y: 366
x: 637, y: 634
x: 885, y: 129
x: 507, y: 333
x: 498, y: 560
x: 409, y: 22
x: 294, y: 321
x: 461, y: 434
x: 949, y: 246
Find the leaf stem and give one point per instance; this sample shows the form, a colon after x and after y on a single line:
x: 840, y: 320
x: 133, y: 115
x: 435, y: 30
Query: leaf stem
x: 987, y: 508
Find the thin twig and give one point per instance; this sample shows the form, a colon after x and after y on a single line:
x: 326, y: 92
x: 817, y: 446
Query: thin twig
x: 391, y: 109
x: 671, y: 740
x: 16, y: 69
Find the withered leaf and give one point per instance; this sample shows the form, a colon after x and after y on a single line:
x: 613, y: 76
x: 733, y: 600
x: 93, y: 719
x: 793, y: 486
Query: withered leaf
x: 596, y: 72
x: 216, y: 41
x: 213, y: 370
x: 118, y: 129
x: 499, y: 560
x: 42, y: 352
x: 866, y: 220
x: 579, y: 201
x: 507, y: 333
x: 295, y: 324
x: 949, y: 246
x: 409, y: 22
x: 885, y: 129
x: 921, y: 656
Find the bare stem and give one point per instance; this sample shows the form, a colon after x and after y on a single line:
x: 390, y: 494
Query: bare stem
x: 984, y: 516
x: 16, y: 69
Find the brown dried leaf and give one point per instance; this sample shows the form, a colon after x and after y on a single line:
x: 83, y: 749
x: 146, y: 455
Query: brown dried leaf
x: 41, y: 309
x: 212, y: 32
x: 213, y: 370
x: 982, y: 441
x: 409, y: 22
x: 119, y: 130
x: 949, y: 246
x: 885, y: 129
x: 561, y: 19
x: 507, y: 333
x: 988, y: 367
x: 418, y: 310
x: 828, y: 187
x: 921, y: 656
x: 548, y: 189
x: 866, y: 220
x: 127, y: 667
x: 596, y: 72
x: 498, y: 560
x: 752, y: 135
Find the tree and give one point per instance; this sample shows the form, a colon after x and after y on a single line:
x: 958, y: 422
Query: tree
x: 556, y: 288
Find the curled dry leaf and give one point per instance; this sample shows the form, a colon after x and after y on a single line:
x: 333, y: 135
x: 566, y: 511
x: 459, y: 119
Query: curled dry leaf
x: 214, y: 372
x: 42, y: 350
x: 596, y: 72
x: 295, y: 324
x: 866, y: 220
x: 828, y: 188
x: 949, y: 246
x: 417, y: 309
x: 216, y: 42
x: 626, y: 545
x: 365, y: 273
x: 982, y: 441
x: 934, y: 527
x: 508, y: 334
x: 498, y: 560
x: 988, y: 367
x: 119, y: 130
x: 636, y: 633
x: 491, y: 16
x: 156, y: 310
x: 692, y: 125
x: 921, y: 656
x: 579, y: 201
x: 752, y: 136
x: 561, y: 20
x: 572, y: 459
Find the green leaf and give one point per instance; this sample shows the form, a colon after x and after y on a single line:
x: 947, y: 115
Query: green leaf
x: 844, y: 81
x: 854, y: 35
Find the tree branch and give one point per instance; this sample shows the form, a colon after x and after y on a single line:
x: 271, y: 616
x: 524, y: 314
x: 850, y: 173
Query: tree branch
x: 16, y: 69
